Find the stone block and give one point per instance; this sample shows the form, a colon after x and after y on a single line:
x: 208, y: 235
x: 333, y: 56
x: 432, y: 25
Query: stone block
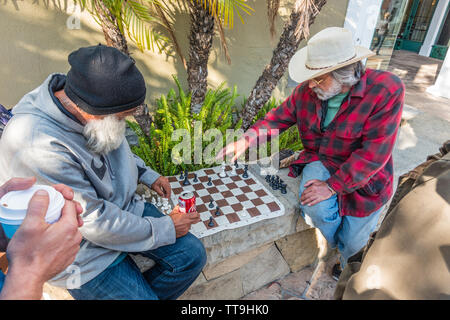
x: 301, y: 224
x: 300, y: 249
x: 233, y: 263
x: 227, y: 287
x: 268, y: 266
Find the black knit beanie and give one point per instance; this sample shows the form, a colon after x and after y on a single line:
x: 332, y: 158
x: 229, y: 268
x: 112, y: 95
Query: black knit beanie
x: 102, y: 80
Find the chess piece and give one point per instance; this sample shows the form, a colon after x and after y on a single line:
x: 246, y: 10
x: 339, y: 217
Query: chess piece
x: 165, y: 204
x: 211, y: 222
x: 209, y: 181
x: 195, y: 178
x: 158, y: 204
x: 153, y: 201
x: 236, y: 164
x: 233, y: 170
x: 245, y: 174
x: 181, y: 176
x: 217, y: 213
x: 211, y: 204
x: 222, y: 173
x: 186, y: 180
x: 283, y: 188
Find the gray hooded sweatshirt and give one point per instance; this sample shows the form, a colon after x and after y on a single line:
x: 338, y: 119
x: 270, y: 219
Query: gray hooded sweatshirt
x: 42, y: 141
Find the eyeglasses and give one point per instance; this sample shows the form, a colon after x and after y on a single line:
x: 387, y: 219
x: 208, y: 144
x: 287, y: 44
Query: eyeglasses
x: 317, y: 82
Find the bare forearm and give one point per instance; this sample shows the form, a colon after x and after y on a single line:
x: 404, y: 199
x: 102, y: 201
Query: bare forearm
x: 21, y: 285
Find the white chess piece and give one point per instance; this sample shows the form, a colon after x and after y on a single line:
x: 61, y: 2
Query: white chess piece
x: 222, y: 173
x: 165, y: 202
x: 153, y: 201
x: 159, y: 202
x: 233, y: 170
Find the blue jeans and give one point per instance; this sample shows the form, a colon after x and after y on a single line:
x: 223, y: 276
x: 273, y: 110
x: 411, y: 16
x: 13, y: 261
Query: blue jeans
x: 348, y: 233
x: 177, y: 266
x: 2, y: 280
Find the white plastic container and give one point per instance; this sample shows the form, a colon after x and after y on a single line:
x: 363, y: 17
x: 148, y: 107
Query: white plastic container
x: 14, y: 206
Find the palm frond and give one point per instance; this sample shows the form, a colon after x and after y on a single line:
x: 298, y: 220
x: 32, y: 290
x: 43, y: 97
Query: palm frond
x: 307, y: 8
x: 224, y: 10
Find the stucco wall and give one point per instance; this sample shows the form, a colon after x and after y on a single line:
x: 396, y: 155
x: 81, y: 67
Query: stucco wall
x: 35, y: 41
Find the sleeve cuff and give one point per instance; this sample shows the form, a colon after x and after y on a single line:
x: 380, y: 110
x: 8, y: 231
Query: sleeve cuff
x: 336, y: 185
x: 163, y: 231
x: 149, y: 177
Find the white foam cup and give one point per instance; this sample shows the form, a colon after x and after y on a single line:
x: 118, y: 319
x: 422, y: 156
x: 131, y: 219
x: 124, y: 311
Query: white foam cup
x: 14, y: 206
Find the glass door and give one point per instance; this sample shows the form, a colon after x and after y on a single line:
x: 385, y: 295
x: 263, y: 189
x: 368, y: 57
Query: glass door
x: 415, y: 25
x: 387, y: 29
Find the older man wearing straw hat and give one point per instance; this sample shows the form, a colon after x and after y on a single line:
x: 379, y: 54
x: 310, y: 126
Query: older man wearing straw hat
x: 348, y: 118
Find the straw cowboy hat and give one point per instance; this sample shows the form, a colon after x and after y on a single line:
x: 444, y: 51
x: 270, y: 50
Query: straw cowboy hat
x: 328, y: 50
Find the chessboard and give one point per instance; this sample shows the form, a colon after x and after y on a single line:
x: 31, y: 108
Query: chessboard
x: 228, y: 202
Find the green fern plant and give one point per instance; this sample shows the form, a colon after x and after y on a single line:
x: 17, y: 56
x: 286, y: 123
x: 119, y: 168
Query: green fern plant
x: 172, y: 113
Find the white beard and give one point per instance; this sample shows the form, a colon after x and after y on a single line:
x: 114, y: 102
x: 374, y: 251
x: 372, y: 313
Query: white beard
x: 104, y: 135
x: 335, y: 89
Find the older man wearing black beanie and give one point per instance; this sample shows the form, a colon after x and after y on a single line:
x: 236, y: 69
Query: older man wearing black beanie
x: 71, y: 130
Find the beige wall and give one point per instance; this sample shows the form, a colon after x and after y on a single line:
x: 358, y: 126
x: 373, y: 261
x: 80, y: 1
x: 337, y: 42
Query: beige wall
x: 35, y: 41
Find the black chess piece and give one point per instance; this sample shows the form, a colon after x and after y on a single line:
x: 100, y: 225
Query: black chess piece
x: 276, y: 185
x: 209, y: 181
x: 195, y: 178
x: 273, y: 184
x: 211, y: 222
x: 181, y: 176
x: 217, y: 213
x: 245, y: 174
x: 283, y: 188
x: 267, y: 178
x: 211, y: 204
x: 236, y: 164
x: 186, y: 180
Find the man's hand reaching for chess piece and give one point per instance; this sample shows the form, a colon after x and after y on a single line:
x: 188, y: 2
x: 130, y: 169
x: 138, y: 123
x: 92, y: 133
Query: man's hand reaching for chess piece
x: 235, y: 149
x: 162, y: 187
x: 183, y: 221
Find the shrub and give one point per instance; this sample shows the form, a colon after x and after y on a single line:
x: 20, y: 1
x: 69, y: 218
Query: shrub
x: 173, y: 112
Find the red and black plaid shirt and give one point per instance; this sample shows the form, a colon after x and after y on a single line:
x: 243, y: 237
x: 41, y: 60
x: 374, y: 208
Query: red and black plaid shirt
x: 357, y: 145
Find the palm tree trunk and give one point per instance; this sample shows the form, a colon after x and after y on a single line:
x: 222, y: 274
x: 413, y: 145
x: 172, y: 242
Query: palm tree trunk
x: 200, y: 43
x: 287, y: 46
x: 115, y: 38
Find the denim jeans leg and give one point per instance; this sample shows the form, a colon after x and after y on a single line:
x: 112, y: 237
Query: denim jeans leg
x: 177, y: 265
x: 354, y: 233
x: 325, y: 214
x: 121, y: 282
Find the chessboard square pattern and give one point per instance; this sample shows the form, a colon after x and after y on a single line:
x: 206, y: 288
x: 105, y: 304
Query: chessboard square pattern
x: 240, y: 201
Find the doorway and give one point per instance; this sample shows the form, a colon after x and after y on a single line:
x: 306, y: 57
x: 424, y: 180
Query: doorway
x: 415, y: 24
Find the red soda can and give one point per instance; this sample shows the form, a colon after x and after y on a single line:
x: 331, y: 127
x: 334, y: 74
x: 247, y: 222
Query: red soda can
x: 186, y: 202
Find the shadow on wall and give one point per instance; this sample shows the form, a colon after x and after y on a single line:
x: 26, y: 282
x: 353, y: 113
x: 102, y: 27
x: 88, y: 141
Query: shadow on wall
x: 36, y: 41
